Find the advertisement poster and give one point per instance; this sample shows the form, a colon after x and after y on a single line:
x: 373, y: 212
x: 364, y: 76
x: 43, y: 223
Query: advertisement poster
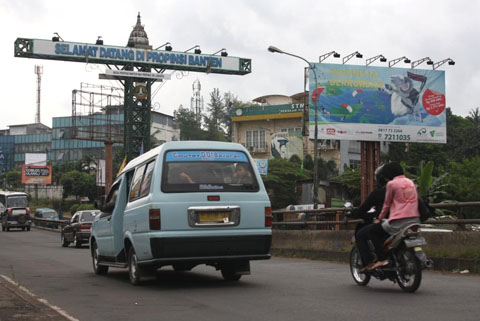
x: 262, y: 165
x: 366, y: 103
x: 41, y: 175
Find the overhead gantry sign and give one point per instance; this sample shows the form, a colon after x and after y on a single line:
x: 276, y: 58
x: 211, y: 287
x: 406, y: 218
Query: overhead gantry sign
x: 127, y: 56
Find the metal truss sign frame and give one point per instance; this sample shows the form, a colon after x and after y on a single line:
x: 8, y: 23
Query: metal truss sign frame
x: 127, y: 56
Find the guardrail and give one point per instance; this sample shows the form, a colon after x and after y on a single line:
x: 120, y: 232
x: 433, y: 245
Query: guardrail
x: 49, y: 223
x: 336, y: 216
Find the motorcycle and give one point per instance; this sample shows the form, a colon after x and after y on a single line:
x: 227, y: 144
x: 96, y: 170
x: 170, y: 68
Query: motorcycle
x: 406, y: 260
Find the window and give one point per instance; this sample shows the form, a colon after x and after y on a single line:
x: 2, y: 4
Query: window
x: 255, y: 138
x: 147, y: 179
x: 207, y: 171
x: 136, y: 183
x: 355, y: 163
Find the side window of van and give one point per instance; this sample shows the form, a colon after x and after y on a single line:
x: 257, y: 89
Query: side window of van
x: 147, y: 179
x: 136, y: 183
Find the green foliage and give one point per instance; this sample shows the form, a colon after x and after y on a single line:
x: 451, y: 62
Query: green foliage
x: 13, y: 179
x: 280, y: 182
x: 74, y: 208
x: 296, y: 159
x: 190, y: 127
x: 350, y: 179
x: 308, y: 162
x: 464, y: 183
x: 78, y: 184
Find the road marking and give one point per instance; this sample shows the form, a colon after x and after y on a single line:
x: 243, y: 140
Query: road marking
x: 41, y: 300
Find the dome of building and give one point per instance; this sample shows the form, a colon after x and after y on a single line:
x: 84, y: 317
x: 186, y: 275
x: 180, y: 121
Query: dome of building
x: 138, y: 37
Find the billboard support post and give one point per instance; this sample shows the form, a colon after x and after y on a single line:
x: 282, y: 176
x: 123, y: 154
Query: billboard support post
x: 370, y: 160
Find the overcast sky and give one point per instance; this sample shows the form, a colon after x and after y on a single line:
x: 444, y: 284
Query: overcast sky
x: 416, y: 29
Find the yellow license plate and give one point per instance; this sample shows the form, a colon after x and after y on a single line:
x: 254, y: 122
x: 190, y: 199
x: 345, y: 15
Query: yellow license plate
x: 417, y: 248
x: 211, y: 217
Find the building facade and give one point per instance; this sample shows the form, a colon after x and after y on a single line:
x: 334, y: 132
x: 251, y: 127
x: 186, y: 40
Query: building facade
x: 277, y: 126
x: 59, y: 142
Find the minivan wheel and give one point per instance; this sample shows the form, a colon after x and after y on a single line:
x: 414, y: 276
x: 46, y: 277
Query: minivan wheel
x: 136, y: 273
x: 97, y: 268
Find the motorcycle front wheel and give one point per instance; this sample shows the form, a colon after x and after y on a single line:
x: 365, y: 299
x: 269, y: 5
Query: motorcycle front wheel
x: 409, y: 271
x: 355, y: 266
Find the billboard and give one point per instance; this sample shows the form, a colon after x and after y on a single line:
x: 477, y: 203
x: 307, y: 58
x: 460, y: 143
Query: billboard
x: 32, y: 174
x: 367, y: 103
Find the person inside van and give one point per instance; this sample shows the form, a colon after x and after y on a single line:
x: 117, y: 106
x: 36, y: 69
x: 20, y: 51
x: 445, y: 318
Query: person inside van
x: 242, y: 174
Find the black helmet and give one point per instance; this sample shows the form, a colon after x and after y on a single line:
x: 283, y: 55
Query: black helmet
x: 392, y: 169
x: 379, y: 176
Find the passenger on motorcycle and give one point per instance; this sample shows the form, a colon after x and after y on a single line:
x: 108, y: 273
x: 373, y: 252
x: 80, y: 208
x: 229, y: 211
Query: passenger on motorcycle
x: 401, y: 202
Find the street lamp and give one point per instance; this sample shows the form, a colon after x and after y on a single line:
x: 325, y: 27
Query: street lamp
x: 439, y: 63
x: 419, y: 61
x: 350, y: 56
x: 381, y: 57
x: 315, y: 139
x: 328, y: 54
x: 393, y: 62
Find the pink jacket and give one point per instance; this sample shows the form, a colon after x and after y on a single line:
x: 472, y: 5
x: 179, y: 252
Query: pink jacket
x: 401, y: 199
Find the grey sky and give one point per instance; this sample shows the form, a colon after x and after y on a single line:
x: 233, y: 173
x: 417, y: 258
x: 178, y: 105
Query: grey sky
x: 416, y: 29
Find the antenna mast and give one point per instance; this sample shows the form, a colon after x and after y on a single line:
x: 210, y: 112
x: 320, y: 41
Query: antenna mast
x: 38, y: 69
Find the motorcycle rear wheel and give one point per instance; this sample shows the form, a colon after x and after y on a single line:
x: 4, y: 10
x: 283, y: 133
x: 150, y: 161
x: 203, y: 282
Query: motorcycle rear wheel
x: 409, y: 273
x: 355, y: 266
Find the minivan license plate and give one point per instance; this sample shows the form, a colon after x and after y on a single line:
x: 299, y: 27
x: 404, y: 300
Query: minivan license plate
x: 209, y: 217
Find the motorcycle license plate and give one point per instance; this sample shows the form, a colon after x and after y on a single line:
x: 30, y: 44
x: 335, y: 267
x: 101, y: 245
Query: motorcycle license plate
x: 417, y: 249
x: 415, y: 242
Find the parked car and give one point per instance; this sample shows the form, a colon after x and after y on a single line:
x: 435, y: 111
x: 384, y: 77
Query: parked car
x: 184, y: 204
x: 77, y: 231
x: 46, y: 214
x: 14, y: 211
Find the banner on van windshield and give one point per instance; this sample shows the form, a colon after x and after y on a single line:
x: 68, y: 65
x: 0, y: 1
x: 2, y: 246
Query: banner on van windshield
x: 32, y: 174
x: 205, y: 155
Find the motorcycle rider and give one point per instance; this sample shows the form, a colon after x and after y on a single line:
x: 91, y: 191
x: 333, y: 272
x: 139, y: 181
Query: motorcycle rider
x: 374, y: 201
x: 401, y: 202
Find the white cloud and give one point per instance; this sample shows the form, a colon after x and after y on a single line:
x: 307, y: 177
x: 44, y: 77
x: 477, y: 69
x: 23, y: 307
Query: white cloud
x: 245, y: 28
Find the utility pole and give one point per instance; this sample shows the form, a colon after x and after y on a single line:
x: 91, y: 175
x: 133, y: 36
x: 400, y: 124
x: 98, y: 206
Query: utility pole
x: 38, y: 69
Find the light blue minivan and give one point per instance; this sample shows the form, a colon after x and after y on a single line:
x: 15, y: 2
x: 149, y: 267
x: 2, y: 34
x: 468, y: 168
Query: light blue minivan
x: 183, y: 204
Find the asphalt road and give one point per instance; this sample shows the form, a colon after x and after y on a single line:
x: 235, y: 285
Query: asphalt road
x: 278, y: 289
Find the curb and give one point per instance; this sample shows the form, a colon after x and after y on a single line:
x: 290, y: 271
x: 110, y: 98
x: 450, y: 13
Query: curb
x: 18, y: 303
x: 453, y: 265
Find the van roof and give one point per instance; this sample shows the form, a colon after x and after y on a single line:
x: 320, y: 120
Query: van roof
x: 8, y: 193
x: 186, y: 144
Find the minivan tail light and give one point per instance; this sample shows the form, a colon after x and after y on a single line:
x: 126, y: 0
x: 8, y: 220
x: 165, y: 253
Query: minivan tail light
x: 268, y: 217
x: 154, y: 218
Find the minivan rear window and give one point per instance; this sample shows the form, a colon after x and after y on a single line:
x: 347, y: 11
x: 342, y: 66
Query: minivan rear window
x: 207, y: 171
x: 17, y: 201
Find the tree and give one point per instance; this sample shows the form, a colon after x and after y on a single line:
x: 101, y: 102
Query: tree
x: 464, y: 183
x: 215, y: 121
x: 13, y: 179
x: 350, y: 179
x: 190, y: 128
x: 78, y: 184
x: 280, y: 182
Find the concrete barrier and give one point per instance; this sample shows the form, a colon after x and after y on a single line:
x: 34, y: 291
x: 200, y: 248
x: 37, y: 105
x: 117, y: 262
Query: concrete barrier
x: 449, y: 251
